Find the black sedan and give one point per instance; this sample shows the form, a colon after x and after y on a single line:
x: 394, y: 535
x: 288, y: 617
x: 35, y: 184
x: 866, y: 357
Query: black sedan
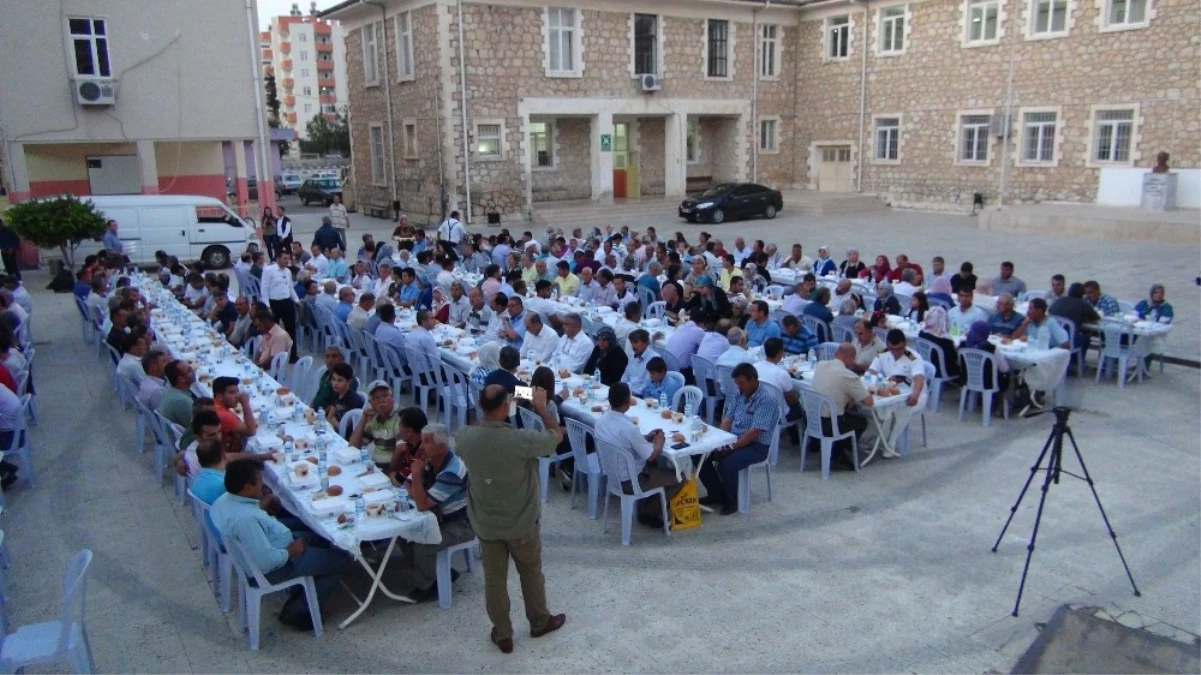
x: 319, y: 190
x: 732, y: 200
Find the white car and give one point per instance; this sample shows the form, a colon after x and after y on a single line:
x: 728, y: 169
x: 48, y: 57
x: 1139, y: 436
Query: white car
x: 289, y: 183
x: 189, y: 227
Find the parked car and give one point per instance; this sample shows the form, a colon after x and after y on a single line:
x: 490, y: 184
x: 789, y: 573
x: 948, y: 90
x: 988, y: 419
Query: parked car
x: 319, y: 190
x: 732, y: 200
x: 188, y: 227
x: 288, y: 183
x: 252, y: 189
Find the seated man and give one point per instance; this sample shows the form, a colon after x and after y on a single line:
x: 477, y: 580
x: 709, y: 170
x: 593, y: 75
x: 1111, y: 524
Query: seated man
x: 1104, y: 303
x: 540, y: 341
x: 234, y: 428
x: 135, y: 345
x: 574, y: 346
x: 509, y: 361
x: 345, y: 398
x: 617, y: 429
x: 658, y: 386
x: 1004, y: 321
x: 275, y: 339
x: 901, y: 366
x: 770, y: 372
x: 153, y: 385
x: 175, y: 402
x: 797, y: 339
x: 835, y: 379
x: 438, y: 484
x: 736, y: 353
x: 379, y: 427
x: 270, y: 545
x: 1075, y: 308
x: 1039, y: 330
x: 206, y: 426
x: 963, y: 315
x: 751, y: 416
x: 760, y: 327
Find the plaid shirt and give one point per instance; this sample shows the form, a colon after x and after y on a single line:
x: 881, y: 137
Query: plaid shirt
x: 757, y: 412
x: 800, y: 343
x: 1107, y: 305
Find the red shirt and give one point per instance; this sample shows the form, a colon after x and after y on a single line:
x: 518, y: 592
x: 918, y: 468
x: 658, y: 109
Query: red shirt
x: 6, y: 379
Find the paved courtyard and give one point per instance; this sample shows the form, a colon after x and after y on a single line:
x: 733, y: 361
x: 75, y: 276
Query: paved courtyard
x: 886, y: 570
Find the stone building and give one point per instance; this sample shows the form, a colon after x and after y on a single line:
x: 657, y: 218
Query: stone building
x: 1020, y: 99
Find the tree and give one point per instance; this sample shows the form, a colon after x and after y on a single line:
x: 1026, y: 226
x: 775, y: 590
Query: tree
x: 64, y: 222
x: 273, y: 120
x: 325, y: 137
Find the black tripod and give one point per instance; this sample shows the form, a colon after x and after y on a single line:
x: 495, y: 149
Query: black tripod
x: 1054, y: 468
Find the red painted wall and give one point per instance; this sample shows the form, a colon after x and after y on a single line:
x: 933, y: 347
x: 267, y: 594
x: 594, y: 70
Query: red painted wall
x: 209, y: 186
x: 53, y: 188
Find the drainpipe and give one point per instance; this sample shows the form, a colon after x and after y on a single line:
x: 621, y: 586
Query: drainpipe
x: 862, y: 95
x: 383, y: 40
x: 758, y: 130
x: 266, y: 179
x: 1003, y: 183
x: 463, y: 110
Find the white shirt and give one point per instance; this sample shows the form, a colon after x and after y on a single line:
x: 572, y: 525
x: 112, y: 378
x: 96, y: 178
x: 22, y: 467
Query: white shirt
x: 541, y: 346
x: 805, y: 264
x: 338, y: 217
x: 623, y: 329
x: 380, y: 288
x: 130, y: 367
x: 318, y: 263
x: 619, y: 430
x: 740, y: 254
x: 358, y: 318
x: 684, y: 342
x: 283, y: 227
x: 909, y: 366
x: 362, y: 282
x: 713, y: 345
x: 964, y: 320
x: 733, y: 356
x: 277, y: 284
x: 773, y: 374
x: 904, y: 288
x: 10, y: 410
x: 451, y: 230
x: 573, y: 353
x: 458, y: 311
x: 635, y: 374
x: 794, y: 304
x: 543, y: 307
x: 193, y: 294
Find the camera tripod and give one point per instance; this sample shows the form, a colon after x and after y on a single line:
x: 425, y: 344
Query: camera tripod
x: 1053, y: 469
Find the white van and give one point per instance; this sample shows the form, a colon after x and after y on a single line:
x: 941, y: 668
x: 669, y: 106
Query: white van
x: 189, y: 227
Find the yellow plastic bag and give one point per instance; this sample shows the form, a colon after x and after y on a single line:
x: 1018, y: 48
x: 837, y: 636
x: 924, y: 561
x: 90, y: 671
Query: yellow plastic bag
x: 684, y: 507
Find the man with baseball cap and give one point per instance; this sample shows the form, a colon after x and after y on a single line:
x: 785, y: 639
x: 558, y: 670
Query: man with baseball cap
x: 379, y: 426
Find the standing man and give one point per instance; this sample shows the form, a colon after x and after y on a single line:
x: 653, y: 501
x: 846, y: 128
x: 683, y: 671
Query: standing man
x: 112, y: 242
x: 10, y: 243
x: 504, y: 508
x: 279, y: 290
x: 339, y: 218
x: 451, y: 234
x: 283, y: 230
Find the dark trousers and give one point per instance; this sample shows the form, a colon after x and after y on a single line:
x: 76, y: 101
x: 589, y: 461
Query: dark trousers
x: 720, y: 476
x: 9, y: 255
x: 271, y: 241
x: 326, y: 565
x: 285, y: 312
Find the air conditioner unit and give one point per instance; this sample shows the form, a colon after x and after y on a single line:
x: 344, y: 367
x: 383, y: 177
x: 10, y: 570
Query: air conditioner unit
x: 95, y: 92
x: 649, y: 82
x: 999, y: 125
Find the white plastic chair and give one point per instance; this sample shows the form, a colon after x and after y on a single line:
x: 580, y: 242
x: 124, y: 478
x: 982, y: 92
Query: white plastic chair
x: 686, y: 396
x: 253, y: 585
x: 21, y: 446
x: 825, y: 351
x: 64, y: 639
x: 1080, y: 354
x: 842, y: 333
x: 930, y: 407
x: 425, y: 382
x: 531, y: 420
x: 456, y: 400
x: 705, y: 374
x: 348, y: 422
x: 172, y: 433
x: 646, y: 296
x: 677, y: 377
x: 926, y: 349
x: 1121, y: 356
x: 251, y: 346
x: 975, y: 364
x: 814, y: 403
x: 612, y: 460
x: 276, y: 369
x: 775, y: 292
x: 217, y: 556
x: 392, y: 367
x: 655, y: 310
x: 816, y: 327
x: 587, y: 466
x: 442, y: 568
x: 298, y: 376
x: 673, y: 364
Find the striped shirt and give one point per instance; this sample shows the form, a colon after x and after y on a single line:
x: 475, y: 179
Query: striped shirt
x: 800, y: 342
x: 448, y: 487
x: 757, y: 412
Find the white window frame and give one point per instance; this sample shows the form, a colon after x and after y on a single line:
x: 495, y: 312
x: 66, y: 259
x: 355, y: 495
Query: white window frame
x: 302, y: 37
x: 551, y: 133
x: 576, y: 30
x: 408, y: 141
x: 769, y: 144
x: 968, y: 8
x: 769, y: 50
x: 370, y: 39
x: 1032, y: 31
x: 501, y: 146
x: 308, y: 108
x: 1105, y: 9
x: 303, y: 55
x: 887, y: 20
x: 692, y: 141
x: 959, y: 137
x: 406, y: 69
x: 877, y: 128
x: 659, y: 21
x: 304, y: 72
x: 1019, y: 154
x: 730, y: 30
x: 379, y: 167
x: 1094, y: 129
x: 828, y: 41
x: 94, y: 44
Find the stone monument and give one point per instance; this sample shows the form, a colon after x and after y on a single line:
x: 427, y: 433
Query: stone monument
x: 1159, y: 186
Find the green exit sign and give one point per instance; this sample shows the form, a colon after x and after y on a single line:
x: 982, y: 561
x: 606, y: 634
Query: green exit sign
x: 606, y: 142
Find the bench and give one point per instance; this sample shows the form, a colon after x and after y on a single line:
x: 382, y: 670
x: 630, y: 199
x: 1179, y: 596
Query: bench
x: 697, y: 184
x: 376, y: 210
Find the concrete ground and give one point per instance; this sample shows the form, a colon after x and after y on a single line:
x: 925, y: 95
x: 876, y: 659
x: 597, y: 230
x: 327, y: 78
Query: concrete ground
x: 886, y: 570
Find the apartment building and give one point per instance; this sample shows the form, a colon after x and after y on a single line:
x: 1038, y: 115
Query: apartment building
x: 306, y: 54
x: 493, y: 106
x: 112, y: 97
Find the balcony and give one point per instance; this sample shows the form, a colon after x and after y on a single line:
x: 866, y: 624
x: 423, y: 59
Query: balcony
x: 322, y: 28
x: 286, y: 65
x: 329, y: 98
x: 325, y: 47
x: 288, y: 82
x: 291, y: 118
x: 325, y: 82
x: 285, y: 47
x: 268, y: 54
x: 290, y: 101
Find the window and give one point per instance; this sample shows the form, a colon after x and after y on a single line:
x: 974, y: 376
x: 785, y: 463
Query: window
x: 308, y: 108
x: 303, y: 37
x: 888, y: 139
x: 410, y: 140
x: 769, y: 50
x: 1112, y: 134
x: 892, y: 30
x: 646, y: 44
x: 370, y: 55
x: 1049, y: 17
x: 719, y: 48
x: 304, y: 55
x: 488, y: 140
x: 767, y: 136
x: 973, y: 137
x: 1038, y: 137
x: 304, y: 72
x: 1126, y: 13
x: 838, y: 37
x: 329, y: 108
x: 694, y: 141
x: 562, y: 39
x: 89, y: 38
x: 306, y: 91
x: 377, y: 154
x: 540, y: 145
x: 982, y: 20
x: 404, y: 45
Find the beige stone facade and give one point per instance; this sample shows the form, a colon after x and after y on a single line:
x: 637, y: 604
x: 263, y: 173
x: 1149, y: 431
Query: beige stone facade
x: 842, y: 82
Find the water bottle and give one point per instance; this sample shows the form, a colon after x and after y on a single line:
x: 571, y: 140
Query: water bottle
x: 360, y: 507
x: 697, y: 427
x: 323, y: 474
x: 365, y: 455
x: 663, y: 400
x: 289, y: 451
x: 812, y: 358
x: 321, y: 448
x: 596, y: 376
x: 688, y: 410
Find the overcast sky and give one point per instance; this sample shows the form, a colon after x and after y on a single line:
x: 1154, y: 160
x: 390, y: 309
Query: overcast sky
x: 272, y: 8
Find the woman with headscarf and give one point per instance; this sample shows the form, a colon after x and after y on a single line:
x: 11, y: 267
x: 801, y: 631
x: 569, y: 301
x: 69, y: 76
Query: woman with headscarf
x: 940, y: 291
x: 489, y: 354
x: 439, y: 305
x: 918, y: 306
x: 885, y: 301
x: 846, y: 313
x: 1155, y: 307
x: 936, y: 329
x: 879, y: 271
x: 607, y: 357
x: 977, y: 338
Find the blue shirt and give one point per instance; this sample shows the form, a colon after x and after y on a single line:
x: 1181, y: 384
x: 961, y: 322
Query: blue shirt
x: 649, y: 281
x: 112, y: 242
x: 757, y: 412
x: 823, y: 267
x: 999, y: 325
x: 1049, y: 334
x: 667, y: 386
x: 264, y: 538
x: 337, y: 269
x: 209, y: 485
x: 800, y: 343
x: 410, y: 293
x: 818, y: 310
x: 389, y: 334
x: 1161, y: 312
x: 419, y: 245
x: 756, y: 335
x: 518, y: 325
x: 1107, y: 306
x: 343, y: 310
